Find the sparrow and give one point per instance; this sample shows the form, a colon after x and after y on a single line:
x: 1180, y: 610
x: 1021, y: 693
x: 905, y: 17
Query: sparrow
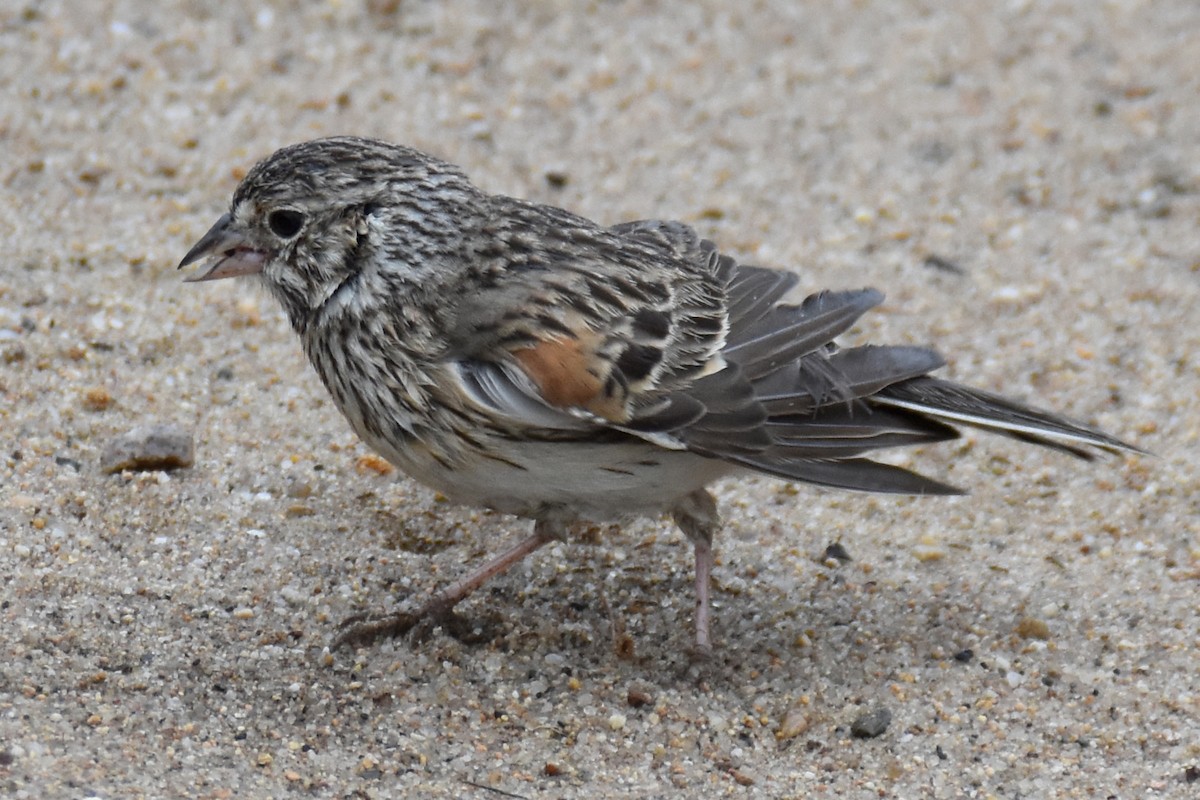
x: 518, y: 357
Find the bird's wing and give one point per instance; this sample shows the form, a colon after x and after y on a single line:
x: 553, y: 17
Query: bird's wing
x: 646, y: 329
x: 607, y: 328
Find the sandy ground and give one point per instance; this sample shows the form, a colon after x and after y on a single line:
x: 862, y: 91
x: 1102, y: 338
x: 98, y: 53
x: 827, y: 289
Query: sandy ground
x: 1021, y: 178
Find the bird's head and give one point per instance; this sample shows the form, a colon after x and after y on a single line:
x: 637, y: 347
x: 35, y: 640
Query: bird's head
x: 312, y: 218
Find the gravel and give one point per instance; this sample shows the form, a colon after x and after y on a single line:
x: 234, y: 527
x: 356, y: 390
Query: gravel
x: 1021, y: 178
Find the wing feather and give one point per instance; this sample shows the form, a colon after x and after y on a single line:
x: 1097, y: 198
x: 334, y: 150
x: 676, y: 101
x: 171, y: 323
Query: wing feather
x: 644, y: 329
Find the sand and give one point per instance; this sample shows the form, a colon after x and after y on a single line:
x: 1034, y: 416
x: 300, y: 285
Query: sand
x: 1021, y: 178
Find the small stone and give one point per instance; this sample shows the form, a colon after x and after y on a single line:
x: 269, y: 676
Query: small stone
x: 964, y: 656
x: 300, y: 490
x: 871, y: 724
x: 795, y: 723
x: 637, y: 698
x: 66, y: 461
x: 925, y: 553
x: 741, y: 778
x: 624, y: 647
x: 943, y: 264
x: 1030, y: 628
x: 97, y: 399
x: 373, y: 464
x: 836, y: 552
x: 616, y: 722
x: 149, y: 447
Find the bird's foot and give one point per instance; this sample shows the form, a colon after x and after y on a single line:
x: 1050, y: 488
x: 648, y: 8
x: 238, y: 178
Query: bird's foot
x: 700, y: 653
x: 366, y: 629
x: 419, y: 625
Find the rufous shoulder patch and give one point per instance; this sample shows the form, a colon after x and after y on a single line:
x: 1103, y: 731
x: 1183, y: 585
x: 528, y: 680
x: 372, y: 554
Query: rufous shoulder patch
x: 567, y: 373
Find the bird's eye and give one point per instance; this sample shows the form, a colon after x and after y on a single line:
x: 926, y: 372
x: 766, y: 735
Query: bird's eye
x: 285, y: 223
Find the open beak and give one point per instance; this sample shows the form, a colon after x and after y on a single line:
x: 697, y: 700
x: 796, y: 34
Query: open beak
x: 229, y: 253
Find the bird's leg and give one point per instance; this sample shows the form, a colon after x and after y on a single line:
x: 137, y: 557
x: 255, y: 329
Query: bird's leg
x: 696, y: 515
x: 438, y: 607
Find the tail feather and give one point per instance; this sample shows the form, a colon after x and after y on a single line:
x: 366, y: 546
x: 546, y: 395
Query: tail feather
x: 845, y: 431
x: 953, y: 402
x: 842, y: 376
x: 858, y: 474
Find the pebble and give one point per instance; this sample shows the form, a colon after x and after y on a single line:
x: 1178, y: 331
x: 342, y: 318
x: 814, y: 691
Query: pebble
x: 871, y: 723
x: 796, y: 722
x: 836, y: 551
x: 923, y: 553
x: 1031, y: 628
x: 149, y: 447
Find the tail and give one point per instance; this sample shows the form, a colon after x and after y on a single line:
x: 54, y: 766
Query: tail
x: 952, y: 402
x: 825, y: 407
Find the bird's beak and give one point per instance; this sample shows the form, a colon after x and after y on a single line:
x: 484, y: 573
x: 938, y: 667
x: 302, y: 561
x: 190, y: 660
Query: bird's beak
x: 231, y: 255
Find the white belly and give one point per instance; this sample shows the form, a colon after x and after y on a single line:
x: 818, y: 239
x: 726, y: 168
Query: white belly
x: 594, y: 482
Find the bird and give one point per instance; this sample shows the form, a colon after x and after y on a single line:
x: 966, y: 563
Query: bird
x: 516, y: 356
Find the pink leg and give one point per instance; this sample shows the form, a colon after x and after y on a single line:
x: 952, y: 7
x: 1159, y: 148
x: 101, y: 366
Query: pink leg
x: 440, y: 605
x: 704, y: 565
x: 696, y: 515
